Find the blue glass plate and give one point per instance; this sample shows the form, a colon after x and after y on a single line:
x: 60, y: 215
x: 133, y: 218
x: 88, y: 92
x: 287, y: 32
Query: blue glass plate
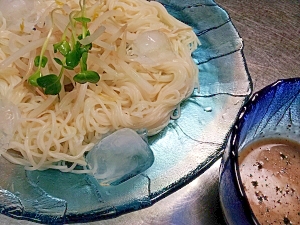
x: 183, y: 150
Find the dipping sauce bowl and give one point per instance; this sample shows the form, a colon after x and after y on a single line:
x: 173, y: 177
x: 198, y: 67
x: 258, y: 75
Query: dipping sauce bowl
x: 260, y: 169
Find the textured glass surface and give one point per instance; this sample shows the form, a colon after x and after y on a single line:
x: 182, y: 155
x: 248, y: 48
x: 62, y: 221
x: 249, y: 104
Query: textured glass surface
x: 272, y: 112
x: 182, y: 151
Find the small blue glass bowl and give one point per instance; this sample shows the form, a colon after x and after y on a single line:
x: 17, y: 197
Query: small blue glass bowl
x: 272, y: 112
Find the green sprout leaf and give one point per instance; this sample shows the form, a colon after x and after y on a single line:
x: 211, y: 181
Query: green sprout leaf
x: 58, y: 61
x: 63, y: 47
x: 87, y: 76
x: 51, y: 83
x: 33, y: 78
x: 43, y: 62
x: 73, y: 58
x: 82, y: 19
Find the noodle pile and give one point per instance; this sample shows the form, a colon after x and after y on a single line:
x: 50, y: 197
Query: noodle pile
x: 139, y: 87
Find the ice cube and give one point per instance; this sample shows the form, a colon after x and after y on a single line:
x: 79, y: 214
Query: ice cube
x: 10, y: 118
x: 119, y: 156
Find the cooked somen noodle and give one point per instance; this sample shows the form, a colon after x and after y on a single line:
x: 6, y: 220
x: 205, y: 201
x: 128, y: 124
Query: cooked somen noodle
x: 142, y: 54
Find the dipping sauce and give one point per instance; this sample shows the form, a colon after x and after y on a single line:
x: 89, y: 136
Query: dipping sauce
x: 270, y: 172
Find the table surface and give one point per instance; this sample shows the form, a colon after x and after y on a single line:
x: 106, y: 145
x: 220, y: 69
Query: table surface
x: 271, y: 33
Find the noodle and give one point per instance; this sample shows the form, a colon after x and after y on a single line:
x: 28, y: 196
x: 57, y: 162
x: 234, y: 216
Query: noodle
x: 138, y: 87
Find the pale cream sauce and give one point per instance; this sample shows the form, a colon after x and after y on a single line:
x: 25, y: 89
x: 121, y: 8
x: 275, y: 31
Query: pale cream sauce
x: 270, y: 171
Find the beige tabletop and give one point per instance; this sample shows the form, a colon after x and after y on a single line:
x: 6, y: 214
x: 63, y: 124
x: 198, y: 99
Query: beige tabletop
x: 271, y: 33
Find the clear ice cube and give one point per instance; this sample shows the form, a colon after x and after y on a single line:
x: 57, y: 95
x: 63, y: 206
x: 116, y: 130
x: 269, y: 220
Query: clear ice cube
x: 119, y: 156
